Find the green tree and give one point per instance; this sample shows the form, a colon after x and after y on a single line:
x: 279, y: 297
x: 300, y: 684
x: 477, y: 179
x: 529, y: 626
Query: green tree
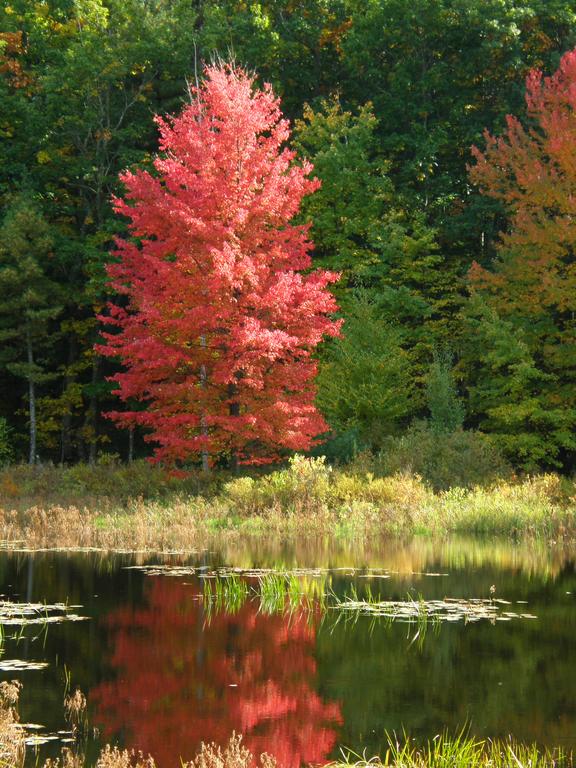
x: 92, y: 75
x: 30, y: 300
x: 446, y: 408
x: 6, y: 451
x: 438, y: 72
x: 509, y: 395
x: 365, y: 383
x: 362, y: 227
x: 293, y: 45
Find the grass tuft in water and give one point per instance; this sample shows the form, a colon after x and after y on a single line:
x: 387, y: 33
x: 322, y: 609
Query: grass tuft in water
x: 459, y: 751
x: 228, y: 593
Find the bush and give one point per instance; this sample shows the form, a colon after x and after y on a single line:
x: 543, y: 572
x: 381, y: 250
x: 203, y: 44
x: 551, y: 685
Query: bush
x: 304, y: 484
x: 444, y: 459
x: 108, y: 478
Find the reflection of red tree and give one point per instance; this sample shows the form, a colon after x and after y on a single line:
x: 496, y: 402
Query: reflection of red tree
x: 180, y: 681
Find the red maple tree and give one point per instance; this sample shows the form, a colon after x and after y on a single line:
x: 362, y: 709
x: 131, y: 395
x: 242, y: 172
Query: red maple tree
x: 532, y: 170
x: 218, y: 323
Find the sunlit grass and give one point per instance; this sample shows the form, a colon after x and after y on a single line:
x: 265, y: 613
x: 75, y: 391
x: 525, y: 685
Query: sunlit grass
x: 308, y: 496
x: 459, y: 751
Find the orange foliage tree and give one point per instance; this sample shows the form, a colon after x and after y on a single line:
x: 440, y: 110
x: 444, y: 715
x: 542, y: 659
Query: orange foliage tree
x: 527, y: 387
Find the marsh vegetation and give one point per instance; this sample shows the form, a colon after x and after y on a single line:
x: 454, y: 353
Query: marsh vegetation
x: 146, y: 509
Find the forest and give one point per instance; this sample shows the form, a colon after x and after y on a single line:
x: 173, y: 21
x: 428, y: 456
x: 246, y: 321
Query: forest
x: 442, y: 134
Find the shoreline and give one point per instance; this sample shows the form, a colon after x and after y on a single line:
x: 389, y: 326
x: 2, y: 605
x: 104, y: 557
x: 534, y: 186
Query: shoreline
x: 142, y: 508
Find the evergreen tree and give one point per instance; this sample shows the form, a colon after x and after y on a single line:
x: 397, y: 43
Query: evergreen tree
x: 365, y: 384
x: 30, y: 300
x: 509, y: 394
x: 446, y: 408
x: 363, y: 228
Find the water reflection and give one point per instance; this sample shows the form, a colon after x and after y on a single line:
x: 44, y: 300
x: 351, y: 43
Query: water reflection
x: 162, y: 675
x: 180, y: 679
x: 531, y: 558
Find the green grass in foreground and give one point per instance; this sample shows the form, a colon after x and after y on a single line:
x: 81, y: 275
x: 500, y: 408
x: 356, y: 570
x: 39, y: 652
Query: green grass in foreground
x: 101, y: 506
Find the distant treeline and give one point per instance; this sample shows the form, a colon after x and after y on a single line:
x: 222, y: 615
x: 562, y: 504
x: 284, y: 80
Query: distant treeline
x: 386, y: 98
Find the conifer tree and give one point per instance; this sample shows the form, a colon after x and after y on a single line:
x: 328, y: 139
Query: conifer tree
x: 30, y: 300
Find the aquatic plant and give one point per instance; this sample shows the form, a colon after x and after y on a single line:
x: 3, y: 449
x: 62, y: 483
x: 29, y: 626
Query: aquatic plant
x: 225, y: 593
x: 421, y: 611
x: 459, y: 751
x: 75, y: 712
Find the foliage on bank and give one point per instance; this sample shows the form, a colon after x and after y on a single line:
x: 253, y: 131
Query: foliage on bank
x: 86, y: 507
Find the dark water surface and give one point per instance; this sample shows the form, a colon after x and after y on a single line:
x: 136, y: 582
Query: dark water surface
x: 162, y: 673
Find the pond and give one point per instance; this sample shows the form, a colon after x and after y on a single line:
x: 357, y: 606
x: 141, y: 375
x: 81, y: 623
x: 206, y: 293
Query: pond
x: 175, y: 650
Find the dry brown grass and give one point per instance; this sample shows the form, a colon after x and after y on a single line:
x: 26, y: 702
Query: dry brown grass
x: 307, y: 496
x: 75, y: 712
x: 110, y: 757
x: 68, y: 759
x: 12, y: 747
x: 234, y: 755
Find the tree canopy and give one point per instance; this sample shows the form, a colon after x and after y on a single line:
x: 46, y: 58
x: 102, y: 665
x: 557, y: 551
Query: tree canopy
x: 220, y: 323
x: 387, y: 100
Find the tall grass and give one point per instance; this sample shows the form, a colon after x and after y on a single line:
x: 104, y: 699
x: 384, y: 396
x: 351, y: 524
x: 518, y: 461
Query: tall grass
x: 307, y: 496
x: 460, y: 751
x: 12, y: 746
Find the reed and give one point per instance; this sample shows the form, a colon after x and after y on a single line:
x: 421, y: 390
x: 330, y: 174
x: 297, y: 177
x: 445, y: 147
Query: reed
x: 308, y: 495
x: 459, y: 751
x: 12, y: 746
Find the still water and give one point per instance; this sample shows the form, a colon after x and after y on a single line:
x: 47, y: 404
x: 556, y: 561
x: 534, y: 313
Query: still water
x: 162, y: 672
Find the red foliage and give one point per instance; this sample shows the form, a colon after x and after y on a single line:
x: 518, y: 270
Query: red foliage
x: 533, y: 171
x: 11, y: 49
x: 180, y: 680
x: 221, y: 324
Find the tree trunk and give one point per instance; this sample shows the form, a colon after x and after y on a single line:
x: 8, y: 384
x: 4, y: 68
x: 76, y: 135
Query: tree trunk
x: 233, y: 410
x: 91, y: 420
x: 66, y: 426
x: 203, y: 425
x: 32, y: 400
x: 130, y: 445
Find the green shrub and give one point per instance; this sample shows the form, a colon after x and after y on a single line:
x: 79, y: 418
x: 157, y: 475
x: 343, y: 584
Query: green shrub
x: 304, y: 484
x: 443, y: 459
